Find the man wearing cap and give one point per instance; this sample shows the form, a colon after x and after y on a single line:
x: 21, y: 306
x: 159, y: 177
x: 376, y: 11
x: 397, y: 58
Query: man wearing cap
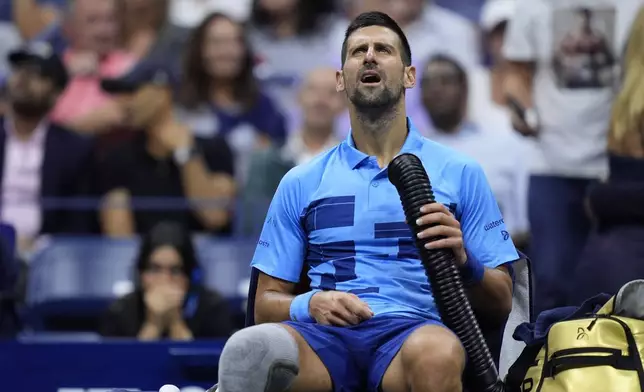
x: 39, y: 160
x: 164, y: 162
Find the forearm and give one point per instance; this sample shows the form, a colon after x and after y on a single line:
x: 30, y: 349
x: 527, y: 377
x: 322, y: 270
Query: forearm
x: 492, y: 297
x: 273, y: 307
x: 180, y: 331
x: 519, y: 82
x: 149, y: 331
x: 199, y: 184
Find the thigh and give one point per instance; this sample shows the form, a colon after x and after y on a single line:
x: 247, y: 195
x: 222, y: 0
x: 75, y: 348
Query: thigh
x: 425, y: 348
x: 326, y: 363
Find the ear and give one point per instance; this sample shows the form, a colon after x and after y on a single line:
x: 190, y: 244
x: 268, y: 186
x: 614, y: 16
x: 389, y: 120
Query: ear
x: 410, y: 77
x: 339, y: 81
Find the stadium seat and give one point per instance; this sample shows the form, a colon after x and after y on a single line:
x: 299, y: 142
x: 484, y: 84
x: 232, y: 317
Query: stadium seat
x: 499, y: 337
x: 73, y: 279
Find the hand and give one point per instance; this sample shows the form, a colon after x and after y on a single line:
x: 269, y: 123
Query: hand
x: 338, y: 308
x: 175, y: 136
x: 163, y: 304
x: 521, y: 126
x: 82, y: 63
x: 446, y: 226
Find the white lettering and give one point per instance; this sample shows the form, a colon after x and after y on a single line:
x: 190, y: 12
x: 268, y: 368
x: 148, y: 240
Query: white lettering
x: 184, y: 389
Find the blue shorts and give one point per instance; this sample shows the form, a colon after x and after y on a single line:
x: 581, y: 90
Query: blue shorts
x: 357, y: 357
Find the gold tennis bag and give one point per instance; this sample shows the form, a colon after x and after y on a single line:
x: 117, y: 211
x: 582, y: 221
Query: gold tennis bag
x: 601, y: 353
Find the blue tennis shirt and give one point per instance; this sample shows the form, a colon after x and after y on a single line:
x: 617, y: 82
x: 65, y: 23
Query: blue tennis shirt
x: 342, y: 217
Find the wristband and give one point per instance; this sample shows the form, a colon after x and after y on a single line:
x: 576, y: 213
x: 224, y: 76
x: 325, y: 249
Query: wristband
x: 299, y: 310
x: 471, y: 272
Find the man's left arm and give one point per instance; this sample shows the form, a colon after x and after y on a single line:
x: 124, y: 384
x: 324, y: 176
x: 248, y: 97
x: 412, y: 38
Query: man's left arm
x: 207, y: 176
x: 488, y: 246
x: 481, y: 243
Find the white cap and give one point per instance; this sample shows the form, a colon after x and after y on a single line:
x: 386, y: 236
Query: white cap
x: 495, y: 12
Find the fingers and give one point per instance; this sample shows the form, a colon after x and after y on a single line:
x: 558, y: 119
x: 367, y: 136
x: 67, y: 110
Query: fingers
x: 440, y: 231
x: 438, y: 218
x: 357, y: 307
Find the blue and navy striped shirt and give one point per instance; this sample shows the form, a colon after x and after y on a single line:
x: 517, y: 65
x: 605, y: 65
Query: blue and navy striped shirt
x: 340, y: 216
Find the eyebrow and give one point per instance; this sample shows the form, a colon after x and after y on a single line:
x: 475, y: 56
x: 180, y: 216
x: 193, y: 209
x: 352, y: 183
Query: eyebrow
x: 376, y: 44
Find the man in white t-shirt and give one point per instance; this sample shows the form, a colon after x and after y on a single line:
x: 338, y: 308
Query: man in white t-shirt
x: 564, y: 56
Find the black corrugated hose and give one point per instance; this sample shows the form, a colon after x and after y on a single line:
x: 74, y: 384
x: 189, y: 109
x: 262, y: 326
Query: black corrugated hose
x: 408, y: 175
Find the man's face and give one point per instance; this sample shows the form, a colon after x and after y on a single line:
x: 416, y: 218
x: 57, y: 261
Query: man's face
x: 30, y: 94
x: 143, y: 106
x: 374, y: 74
x: 444, y: 93
x: 95, y: 25
x: 320, y: 101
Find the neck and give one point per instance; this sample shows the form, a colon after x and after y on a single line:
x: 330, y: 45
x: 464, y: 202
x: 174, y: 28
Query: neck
x: 380, y: 133
x: 449, y: 124
x: 222, y: 94
x: 497, y: 77
x: 24, y: 126
x: 316, y: 138
x: 285, y: 26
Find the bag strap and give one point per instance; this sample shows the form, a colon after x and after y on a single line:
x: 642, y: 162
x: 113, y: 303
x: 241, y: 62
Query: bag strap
x: 516, y: 372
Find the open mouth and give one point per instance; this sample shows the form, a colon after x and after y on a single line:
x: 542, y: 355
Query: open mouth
x: 370, y: 77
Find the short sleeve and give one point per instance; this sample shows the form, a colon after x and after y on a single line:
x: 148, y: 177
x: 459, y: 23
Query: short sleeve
x: 218, y: 155
x: 282, y: 243
x: 520, y: 43
x: 486, y: 237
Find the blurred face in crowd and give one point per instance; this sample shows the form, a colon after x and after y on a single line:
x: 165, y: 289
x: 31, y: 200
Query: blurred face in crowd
x: 94, y: 25
x: 164, y: 268
x: 444, y: 95
x: 29, y: 92
x: 374, y: 75
x: 223, y: 49
x: 278, y: 7
x: 402, y: 11
x: 144, y: 13
x: 145, y: 106
x: 320, y: 101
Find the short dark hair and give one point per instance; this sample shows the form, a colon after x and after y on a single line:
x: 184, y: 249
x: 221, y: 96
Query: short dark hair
x: 375, y: 18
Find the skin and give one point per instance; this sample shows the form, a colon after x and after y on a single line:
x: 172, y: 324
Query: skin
x: 432, y: 358
x: 164, y: 285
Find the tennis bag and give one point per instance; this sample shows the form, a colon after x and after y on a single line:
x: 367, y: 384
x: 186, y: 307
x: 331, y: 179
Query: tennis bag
x: 600, y: 353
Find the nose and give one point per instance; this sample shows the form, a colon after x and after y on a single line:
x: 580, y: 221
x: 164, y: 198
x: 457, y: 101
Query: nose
x: 370, y: 56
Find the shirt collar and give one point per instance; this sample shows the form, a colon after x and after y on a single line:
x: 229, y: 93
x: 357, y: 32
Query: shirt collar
x: 38, y: 135
x: 412, y: 144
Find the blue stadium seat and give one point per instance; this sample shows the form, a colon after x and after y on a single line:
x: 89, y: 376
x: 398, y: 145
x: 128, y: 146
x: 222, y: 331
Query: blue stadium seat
x: 505, y: 350
x: 75, y: 278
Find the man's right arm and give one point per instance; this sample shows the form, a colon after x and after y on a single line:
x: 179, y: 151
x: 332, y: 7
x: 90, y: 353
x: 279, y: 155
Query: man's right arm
x: 280, y: 253
x: 273, y: 299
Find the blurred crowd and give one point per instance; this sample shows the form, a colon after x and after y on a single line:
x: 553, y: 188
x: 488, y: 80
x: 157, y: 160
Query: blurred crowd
x: 167, y: 118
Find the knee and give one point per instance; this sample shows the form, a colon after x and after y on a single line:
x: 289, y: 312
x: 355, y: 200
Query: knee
x: 435, y: 350
x: 263, y: 357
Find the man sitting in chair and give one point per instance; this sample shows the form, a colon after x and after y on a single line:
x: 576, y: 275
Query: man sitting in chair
x: 369, y: 321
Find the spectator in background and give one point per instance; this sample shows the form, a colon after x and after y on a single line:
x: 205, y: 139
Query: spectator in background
x: 150, y: 36
x: 321, y: 104
x: 170, y: 300
x: 220, y: 95
x: 566, y: 125
x: 431, y: 29
x: 445, y: 95
x: 92, y: 27
x: 616, y: 205
x: 39, y: 160
x: 487, y: 104
x: 190, y: 13
x: 291, y: 38
x: 163, y: 160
